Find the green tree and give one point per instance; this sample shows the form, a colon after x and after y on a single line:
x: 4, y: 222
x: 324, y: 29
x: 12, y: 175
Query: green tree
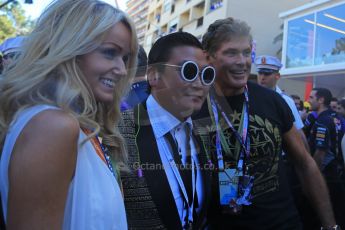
x: 13, y: 21
x: 6, y: 28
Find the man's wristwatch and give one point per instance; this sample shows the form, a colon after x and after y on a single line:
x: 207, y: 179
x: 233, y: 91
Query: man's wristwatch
x: 335, y: 227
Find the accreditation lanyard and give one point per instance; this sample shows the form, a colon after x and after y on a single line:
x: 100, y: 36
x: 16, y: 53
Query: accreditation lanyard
x: 101, y: 151
x: 244, y: 140
x: 178, y: 177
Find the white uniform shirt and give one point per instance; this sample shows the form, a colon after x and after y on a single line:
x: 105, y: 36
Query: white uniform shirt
x: 298, y: 120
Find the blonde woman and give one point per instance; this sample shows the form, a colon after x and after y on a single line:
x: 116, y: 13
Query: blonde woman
x: 63, y: 93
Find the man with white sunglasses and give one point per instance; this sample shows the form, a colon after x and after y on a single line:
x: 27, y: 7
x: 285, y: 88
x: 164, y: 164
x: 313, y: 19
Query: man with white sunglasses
x: 168, y: 186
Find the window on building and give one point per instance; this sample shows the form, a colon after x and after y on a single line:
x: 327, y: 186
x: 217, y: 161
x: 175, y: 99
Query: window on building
x: 300, y: 42
x: 173, y: 25
x: 215, y: 4
x: 158, y: 17
x: 173, y: 28
x: 330, y: 36
x: 164, y: 28
x: 200, y: 22
x: 198, y: 11
x: 317, y: 38
x: 184, y: 18
x: 167, y: 6
x: 172, y: 8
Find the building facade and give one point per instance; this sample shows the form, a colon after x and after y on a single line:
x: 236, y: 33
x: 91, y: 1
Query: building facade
x: 314, y: 47
x: 313, y: 55
x: 137, y: 10
x: 194, y: 16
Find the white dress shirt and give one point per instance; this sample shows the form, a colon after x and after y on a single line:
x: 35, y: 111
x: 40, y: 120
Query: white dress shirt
x: 163, y: 122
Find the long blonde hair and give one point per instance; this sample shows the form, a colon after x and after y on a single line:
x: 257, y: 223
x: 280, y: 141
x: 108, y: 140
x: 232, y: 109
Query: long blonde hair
x: 47, y: 71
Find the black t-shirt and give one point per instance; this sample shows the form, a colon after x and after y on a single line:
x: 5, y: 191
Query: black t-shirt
x: 270, y: 117
x: 326, y: 134
x: 323, y: 132
x: 309, y: 122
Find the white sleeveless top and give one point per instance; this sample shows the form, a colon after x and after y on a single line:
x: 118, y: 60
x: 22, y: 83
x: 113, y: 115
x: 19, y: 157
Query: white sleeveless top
x: 94, y: 199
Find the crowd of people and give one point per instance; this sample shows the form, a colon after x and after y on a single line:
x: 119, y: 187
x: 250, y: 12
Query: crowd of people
x: 322, y: 131
x: 96, y: 134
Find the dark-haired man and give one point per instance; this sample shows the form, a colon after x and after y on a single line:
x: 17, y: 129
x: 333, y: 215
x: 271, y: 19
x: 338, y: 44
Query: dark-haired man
x: 166, y: 187
x: 325, y: 144
x: 250, y: 126
x: 341, y: 108
x: 334, y: 104
x: 327, y: 125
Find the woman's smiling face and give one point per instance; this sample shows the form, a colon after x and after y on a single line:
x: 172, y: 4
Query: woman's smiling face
x: 106, y: 65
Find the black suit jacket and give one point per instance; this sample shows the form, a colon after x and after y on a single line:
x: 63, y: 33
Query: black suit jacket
x: 148, y: 199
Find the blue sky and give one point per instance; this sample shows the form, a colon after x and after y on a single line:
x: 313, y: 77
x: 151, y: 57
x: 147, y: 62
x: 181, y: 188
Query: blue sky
x: 34, y: 10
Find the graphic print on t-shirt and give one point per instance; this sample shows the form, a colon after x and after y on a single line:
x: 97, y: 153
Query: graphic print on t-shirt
x: 265, y: 142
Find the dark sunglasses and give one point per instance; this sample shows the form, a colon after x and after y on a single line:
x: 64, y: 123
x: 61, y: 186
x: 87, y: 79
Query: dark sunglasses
x: 190, y: 70
x: 9, y: 56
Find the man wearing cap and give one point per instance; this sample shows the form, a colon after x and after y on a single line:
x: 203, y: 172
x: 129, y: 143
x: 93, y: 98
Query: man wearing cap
x: 268, y: 75
x: 9, y: 49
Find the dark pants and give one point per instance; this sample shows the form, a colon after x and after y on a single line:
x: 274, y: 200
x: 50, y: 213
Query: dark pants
x: 334, y: 176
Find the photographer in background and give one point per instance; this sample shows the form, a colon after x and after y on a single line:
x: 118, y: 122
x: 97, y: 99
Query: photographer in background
x: 9, y: 49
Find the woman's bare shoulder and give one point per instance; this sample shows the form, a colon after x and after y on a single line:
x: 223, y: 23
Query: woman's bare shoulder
x: 56, y: 119
x: 53, y: 122
x: 53, y: 133
x: 43, y: 163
